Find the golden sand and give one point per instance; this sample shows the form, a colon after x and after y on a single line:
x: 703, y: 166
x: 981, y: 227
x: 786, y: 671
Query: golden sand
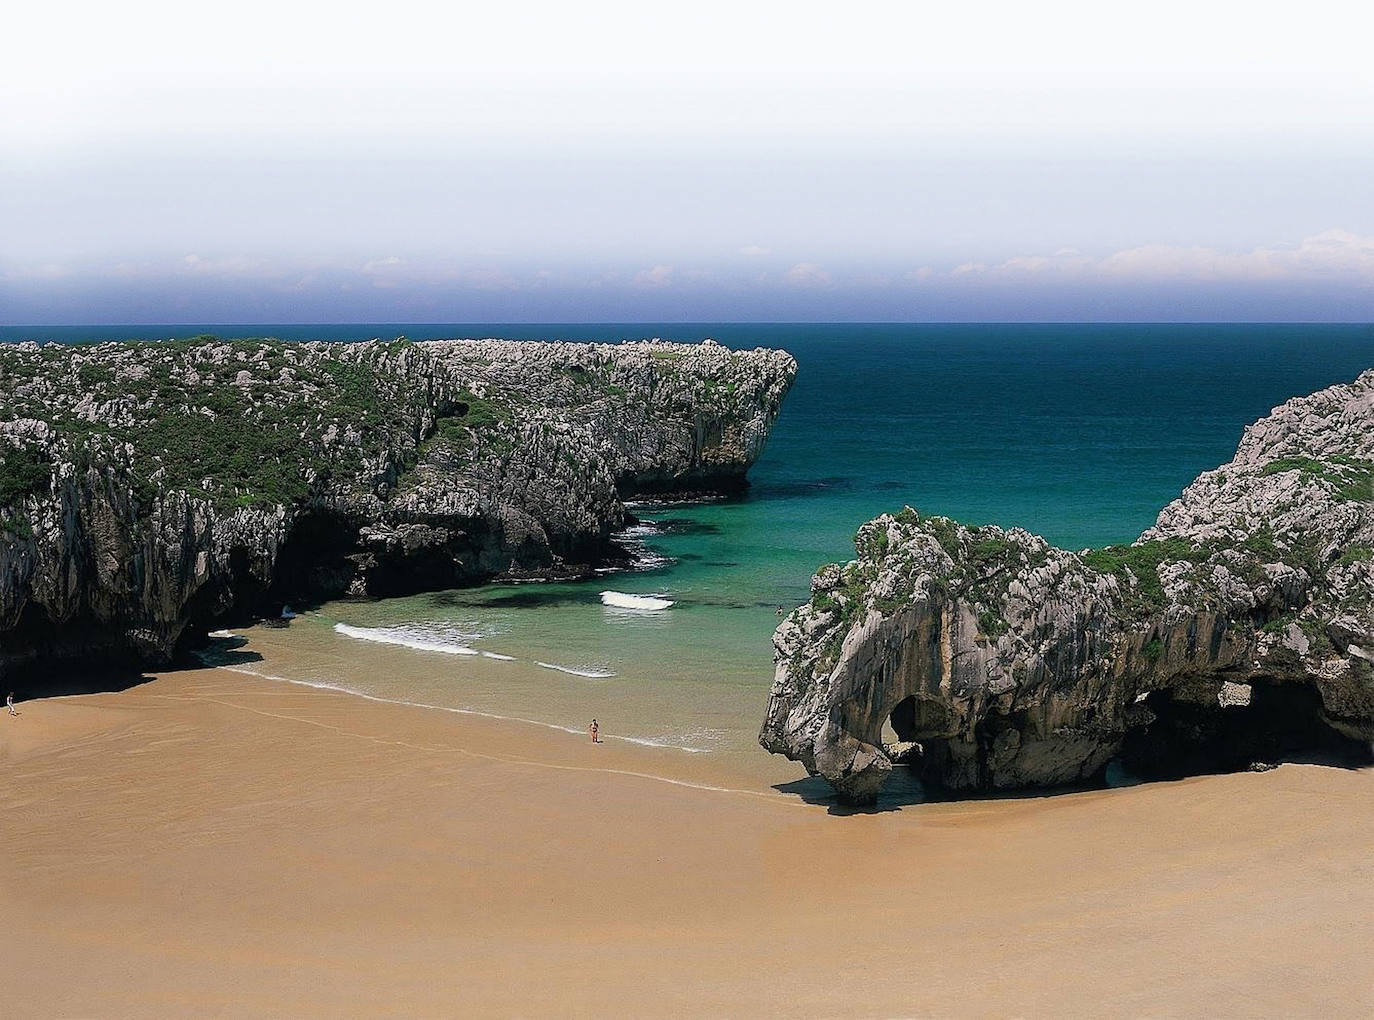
x: 211, y: 843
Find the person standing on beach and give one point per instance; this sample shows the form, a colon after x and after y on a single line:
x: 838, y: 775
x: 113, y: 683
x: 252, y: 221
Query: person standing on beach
x: 9, y: 703
x: 593, y: 729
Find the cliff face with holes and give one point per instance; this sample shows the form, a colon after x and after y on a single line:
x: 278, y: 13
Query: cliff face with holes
x: 150, y: 490
x: 1238, y: 629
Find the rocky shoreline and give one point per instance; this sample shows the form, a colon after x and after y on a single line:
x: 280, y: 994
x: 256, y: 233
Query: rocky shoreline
x: 1239, y: 629
x: 150, y: 492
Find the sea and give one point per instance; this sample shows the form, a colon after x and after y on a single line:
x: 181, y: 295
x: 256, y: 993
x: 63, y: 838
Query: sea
x: 1078, y: 432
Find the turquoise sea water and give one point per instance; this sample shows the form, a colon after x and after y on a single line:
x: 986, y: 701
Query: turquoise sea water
x: 1078, y: 432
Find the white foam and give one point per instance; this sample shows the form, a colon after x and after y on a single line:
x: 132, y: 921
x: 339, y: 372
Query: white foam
x: 650, y: 742
x: 624, y: 600
x: 498, y: 656
x: 643, y: 558
x: 697, y: 735
x: 644, y: 561
x: 591, y: 674
x: 221, y: 634
x: 404, y: 638
x: 641, y: 530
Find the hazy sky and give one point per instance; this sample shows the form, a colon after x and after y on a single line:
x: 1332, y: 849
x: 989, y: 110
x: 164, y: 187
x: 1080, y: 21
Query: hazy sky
x: 611, y: 162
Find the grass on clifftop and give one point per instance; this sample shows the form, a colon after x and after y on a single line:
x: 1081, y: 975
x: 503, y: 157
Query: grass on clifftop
x: 1141, y: 562
x: 256, y: 461
x: 1351, y: 478
x: 195, y: 426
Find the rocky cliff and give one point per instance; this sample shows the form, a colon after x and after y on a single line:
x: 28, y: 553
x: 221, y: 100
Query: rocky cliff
x: 1238, y: 629
x: 150, y: 490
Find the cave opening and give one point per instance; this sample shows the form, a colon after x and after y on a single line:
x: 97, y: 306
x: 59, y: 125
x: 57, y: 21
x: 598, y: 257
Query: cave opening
x: 901, y: 733
x: 313, y: 561
x: 1276, y: 721
x: 901, y: 722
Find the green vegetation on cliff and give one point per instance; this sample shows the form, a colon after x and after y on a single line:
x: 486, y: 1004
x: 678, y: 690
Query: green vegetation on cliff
x: 24, y: 471
x: 240, y: 423
x: 1137, y: 566
x: 1351, y: 478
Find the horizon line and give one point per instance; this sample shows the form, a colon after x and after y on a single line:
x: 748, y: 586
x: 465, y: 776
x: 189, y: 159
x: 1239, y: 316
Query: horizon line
x: 704, y: 322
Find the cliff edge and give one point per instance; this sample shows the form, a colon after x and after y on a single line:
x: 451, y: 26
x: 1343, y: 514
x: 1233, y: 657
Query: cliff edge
x: 1238, y: 629
x: 149, y: 491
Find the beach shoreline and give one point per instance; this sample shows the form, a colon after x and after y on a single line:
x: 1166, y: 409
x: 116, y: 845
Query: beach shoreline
x: 212, y: 842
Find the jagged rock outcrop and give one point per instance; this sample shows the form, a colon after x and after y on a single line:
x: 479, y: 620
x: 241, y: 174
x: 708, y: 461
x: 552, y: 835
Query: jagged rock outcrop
x: 148, y: 490
x: 1238, y: 629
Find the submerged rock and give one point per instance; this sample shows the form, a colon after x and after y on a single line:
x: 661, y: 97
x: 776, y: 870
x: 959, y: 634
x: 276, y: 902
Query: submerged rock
x: 1237, y: 629
x: 150, y: 490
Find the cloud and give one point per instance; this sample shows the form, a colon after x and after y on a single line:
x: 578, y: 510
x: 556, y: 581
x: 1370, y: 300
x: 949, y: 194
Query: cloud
x: 807, y: 274
x: 388, y: 264
x: 1332, y: 254
x: 754, y: 250
x: 1064, y: 261
x: 659, y: 276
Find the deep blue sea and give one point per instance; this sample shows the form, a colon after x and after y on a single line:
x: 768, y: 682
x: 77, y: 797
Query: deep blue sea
x: 1078, y: 432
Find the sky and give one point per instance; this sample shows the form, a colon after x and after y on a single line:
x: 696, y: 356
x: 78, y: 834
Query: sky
x: 617, y: 162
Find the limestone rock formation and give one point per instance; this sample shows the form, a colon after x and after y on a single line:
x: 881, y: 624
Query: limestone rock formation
x: 149, y: 490
x: 1237, y: 629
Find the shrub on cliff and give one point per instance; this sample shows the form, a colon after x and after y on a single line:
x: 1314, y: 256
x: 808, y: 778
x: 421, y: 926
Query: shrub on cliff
x: 24, y: 471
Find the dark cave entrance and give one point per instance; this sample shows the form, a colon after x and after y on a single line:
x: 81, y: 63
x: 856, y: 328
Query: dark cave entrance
x: 907, y: 735
x: 1283, y: 721
x: 916, y: 718
x: 314, y: 560
x: 901, y: 723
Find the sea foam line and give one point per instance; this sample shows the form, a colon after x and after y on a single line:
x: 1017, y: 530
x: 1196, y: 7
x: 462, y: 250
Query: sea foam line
x: 775, y: 798
x: 404, y: 639
x: 385, y: 636
x: 591, y: 674
x: 323, y: 685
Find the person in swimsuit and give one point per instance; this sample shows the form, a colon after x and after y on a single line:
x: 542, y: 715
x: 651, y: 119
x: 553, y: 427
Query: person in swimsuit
x: 9, y: 703
x: 594, y: 729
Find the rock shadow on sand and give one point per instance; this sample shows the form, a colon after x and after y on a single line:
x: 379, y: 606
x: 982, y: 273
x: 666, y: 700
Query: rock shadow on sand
x: 904, y: 788
x: 67, y: 684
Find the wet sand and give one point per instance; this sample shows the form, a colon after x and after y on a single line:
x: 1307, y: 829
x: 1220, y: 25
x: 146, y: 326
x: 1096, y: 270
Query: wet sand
x: 212, y: 843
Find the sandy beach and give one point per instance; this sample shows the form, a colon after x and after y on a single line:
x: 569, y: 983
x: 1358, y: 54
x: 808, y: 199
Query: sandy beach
x: 214, y: 844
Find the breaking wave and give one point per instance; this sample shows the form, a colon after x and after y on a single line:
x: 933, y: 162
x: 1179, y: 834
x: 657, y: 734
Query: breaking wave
x: 624, y: 600
x: 405, y: 637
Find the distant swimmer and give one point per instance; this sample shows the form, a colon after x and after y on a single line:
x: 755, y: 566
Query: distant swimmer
x: 9, y: 703
x: 779, y: 610
x: 594, y: 730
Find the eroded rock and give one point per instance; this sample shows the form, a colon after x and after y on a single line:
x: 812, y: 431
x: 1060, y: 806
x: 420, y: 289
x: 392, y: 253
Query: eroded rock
x: 149, y: 490
x: 1237, y: 628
